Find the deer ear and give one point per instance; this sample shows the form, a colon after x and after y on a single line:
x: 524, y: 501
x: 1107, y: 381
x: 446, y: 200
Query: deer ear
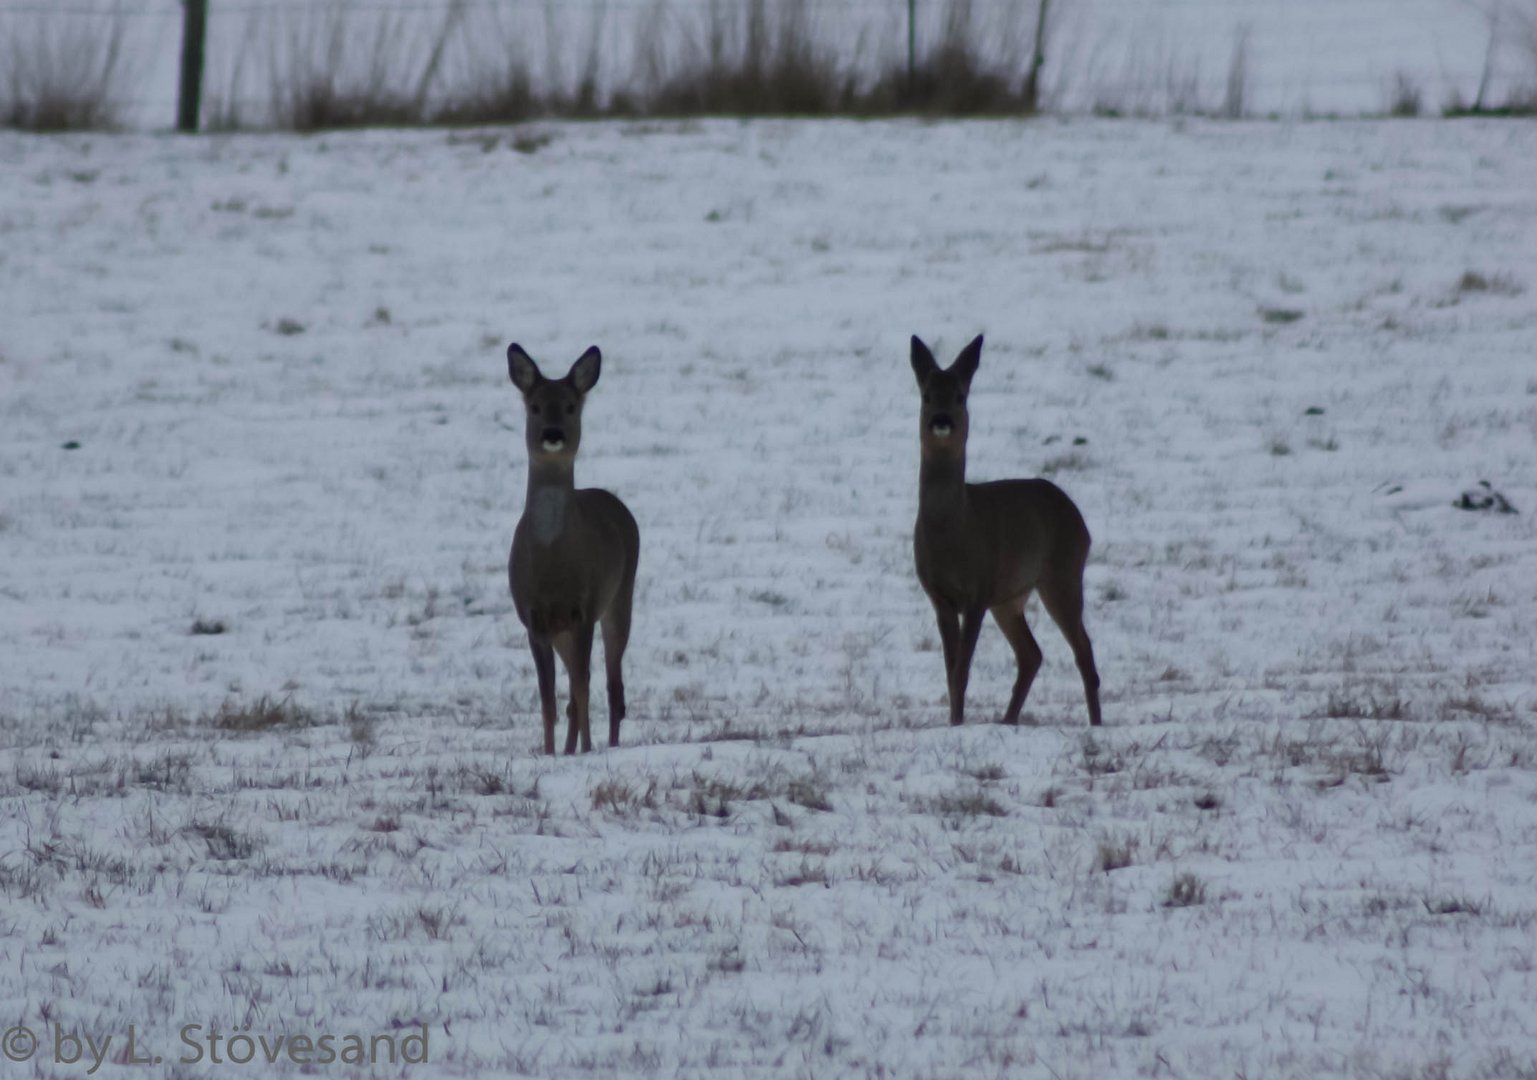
x: 521, y: 368
x: 965, y: 365
x: 923, y: 361
x: 584, y: 373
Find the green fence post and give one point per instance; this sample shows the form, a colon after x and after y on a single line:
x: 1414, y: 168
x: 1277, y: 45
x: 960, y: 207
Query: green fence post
x: 193, y: 32
x: 912, y: 43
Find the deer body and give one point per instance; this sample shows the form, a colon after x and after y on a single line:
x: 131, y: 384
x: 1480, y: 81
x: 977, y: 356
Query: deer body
x: 983, y: 548
x: 574, y: 553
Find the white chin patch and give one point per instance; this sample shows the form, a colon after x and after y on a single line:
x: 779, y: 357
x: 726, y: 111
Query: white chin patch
x: 941, y: 431
x: 553, y: 445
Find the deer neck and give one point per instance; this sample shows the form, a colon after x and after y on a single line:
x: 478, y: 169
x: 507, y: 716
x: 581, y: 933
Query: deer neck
x: 548, y: 504
x: 942, y: 490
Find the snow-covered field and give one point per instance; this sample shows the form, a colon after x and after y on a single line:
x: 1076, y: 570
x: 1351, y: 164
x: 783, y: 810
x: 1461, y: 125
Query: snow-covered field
x: 256, y: 385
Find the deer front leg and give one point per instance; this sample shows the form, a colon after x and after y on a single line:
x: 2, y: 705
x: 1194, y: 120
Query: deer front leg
x: 544, y: 670
x: 949, y: 642
x: 576, y: 651
x: 971, y: 627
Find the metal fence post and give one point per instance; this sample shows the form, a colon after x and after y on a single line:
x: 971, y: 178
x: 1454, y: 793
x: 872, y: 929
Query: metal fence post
x: 912, y: 42
x: 193, y: 33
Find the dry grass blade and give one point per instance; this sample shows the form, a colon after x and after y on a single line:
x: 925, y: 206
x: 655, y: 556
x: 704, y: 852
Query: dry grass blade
x: 343, y: 66
x: 264, y: 714
x: 754, y: 61
x: 63, y: 71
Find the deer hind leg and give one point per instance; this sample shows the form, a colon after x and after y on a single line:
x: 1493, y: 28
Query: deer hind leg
x: 616, y: 635
x: 544, y: 670
x: 1010, y: 618
x: 1064, y: 603
x: 575, y: 648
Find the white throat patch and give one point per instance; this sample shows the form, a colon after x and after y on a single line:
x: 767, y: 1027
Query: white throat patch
x: 547, y: 514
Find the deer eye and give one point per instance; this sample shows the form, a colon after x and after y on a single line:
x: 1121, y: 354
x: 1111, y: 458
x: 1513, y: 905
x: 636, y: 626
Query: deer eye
x: 570, y: 409
x: 534, y: 409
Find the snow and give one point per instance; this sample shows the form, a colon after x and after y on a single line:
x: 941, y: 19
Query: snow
x: 1266, y: 359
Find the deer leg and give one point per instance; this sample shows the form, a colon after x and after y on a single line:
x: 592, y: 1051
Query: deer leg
x: 949, y: 643
x: 966, y: 646
x: 1064, y: 603
x: 616, y: 635
x: 544, y: 670
x: 583, y: 687
x: 575, y: 648
x: 1027, y: 654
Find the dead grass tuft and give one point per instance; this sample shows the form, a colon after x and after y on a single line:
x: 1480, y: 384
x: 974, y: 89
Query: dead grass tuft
x: 1406, y: 99
x: 63, y: 71
x: 1472, y: 281
x: 1472, y: 704
x: 809, y: 792
x: 263, y: 714
x: 1342, y: 706
x: 360, y: 731
x: 712, y: 797
x: 1116, y: 853
x: 1278, y: 316
x: 224, y: 842
x: 1453, y: 905
x: 966, y: 804
x: 618, y: 796
x: 955, y: 79
x: 340, y: 65
x: 754, y: 60
x: 1186, y: 890
x: 433, y: 923
x: 1072, y: 461
x: 344, y: 64
x: 1097, y: 759
x: 808, y: 873
x: 1365, y: 761
x: 167, y: 771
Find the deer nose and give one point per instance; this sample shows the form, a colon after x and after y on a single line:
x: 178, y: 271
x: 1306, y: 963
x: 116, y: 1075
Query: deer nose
x: 940, y: 424
x: 552, y: 438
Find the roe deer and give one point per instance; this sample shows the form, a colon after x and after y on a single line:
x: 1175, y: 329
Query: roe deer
x: 574, y: 552
x: 984, y: 547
